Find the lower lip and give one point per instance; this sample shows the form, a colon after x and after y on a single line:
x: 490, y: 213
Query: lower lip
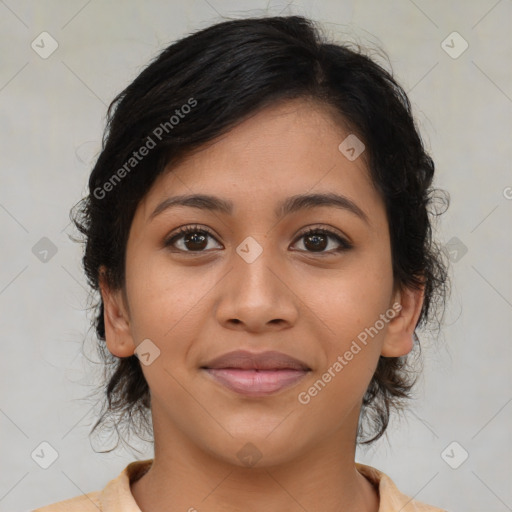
x: 256, y: 382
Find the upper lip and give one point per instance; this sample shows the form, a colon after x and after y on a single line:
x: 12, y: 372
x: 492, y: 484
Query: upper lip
x: 245, y: 360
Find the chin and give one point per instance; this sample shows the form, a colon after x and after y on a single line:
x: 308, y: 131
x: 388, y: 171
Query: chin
x: 258, y: 447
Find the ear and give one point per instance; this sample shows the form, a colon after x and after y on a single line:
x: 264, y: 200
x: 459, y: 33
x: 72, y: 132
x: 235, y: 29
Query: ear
x: 117, y: 321
x: 399, y: 339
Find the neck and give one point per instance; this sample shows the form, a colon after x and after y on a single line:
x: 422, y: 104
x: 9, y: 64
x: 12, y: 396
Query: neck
x: 184, y: 477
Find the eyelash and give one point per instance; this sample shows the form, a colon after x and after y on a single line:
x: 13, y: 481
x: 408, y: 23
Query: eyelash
x: 345, y: 245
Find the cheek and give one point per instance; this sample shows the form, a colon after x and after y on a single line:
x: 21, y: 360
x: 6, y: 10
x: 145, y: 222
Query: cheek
x: 160, y: 295
x: 350, y: 304
x: 353, y: 298
x: 350, y: 309
x: 167, y: 308
x: 164, y: 298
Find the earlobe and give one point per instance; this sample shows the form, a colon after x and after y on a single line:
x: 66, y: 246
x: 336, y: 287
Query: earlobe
x: 117, y: 325
x: 399, y: 339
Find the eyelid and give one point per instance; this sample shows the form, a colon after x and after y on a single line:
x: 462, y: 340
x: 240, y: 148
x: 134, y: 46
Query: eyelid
x: 181, y: 230
x: 330, y: 232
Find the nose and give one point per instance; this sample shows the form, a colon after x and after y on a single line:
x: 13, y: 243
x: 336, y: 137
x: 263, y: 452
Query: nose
x: 257, y: 295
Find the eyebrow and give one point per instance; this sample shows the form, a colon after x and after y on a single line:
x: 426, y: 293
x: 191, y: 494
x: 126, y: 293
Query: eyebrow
x: 289, y: 205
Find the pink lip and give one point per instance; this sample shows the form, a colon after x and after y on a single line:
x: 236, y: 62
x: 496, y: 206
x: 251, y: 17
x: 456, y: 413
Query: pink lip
x: 256, y: 382
x: 256, y: 374
x: 245, y: 360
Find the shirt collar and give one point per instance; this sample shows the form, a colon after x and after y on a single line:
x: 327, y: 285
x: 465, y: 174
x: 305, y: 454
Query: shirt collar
x: 117, y: 496
x: 391, y: 499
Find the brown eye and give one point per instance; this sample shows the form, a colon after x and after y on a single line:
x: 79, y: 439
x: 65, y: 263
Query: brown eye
x: 197, y: 240
x: 317, y: 240
x: 193, y: 239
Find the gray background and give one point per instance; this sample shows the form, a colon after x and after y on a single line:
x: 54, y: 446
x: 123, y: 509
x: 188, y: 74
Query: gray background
x: 53, y: 110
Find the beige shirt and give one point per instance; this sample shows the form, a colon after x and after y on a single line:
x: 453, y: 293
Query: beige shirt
x: 117, y: 497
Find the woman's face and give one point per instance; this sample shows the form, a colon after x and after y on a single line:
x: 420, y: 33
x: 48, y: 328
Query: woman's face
x: 249, y: 279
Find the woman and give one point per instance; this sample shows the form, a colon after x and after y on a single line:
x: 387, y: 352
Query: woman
x: 258, y: 227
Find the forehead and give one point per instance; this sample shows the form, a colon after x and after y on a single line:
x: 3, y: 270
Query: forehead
x: 287, y: 149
